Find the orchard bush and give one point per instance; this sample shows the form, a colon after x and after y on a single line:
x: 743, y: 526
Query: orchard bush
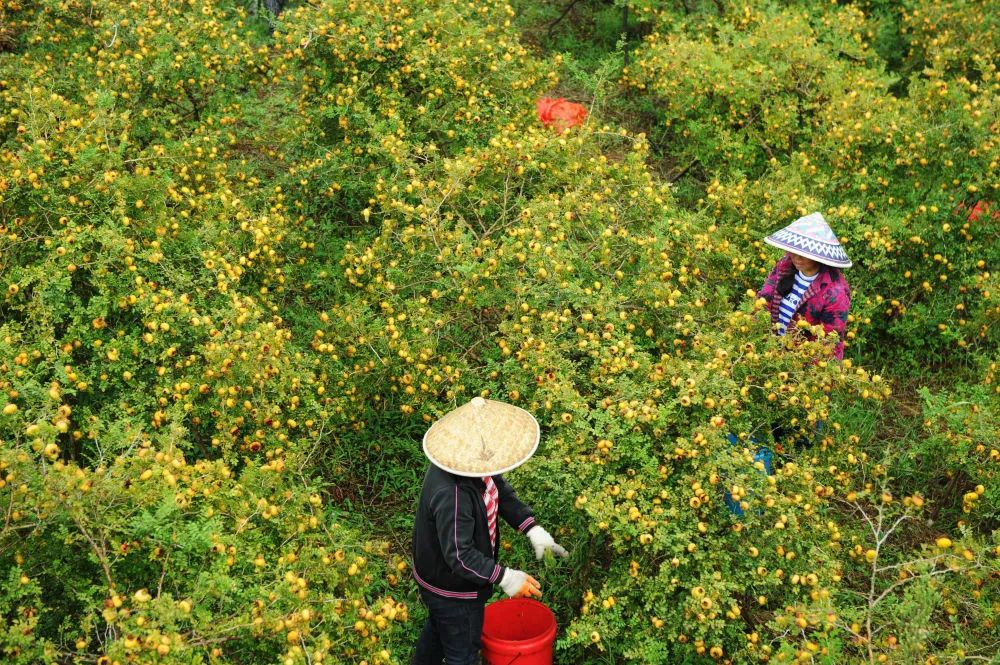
x: 791, y: 110
x: 637, y: 375
x: 158, y: 418
x: 243, y: 269
x: 149, y: 557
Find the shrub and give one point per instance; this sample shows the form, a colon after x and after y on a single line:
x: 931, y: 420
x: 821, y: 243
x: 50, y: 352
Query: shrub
x: 220, y: 345
x: 794, y: 108
x: 149, y: 556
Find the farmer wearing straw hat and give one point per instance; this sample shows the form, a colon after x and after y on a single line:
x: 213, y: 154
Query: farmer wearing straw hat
x: 806, y: 283
x: 455, y: 532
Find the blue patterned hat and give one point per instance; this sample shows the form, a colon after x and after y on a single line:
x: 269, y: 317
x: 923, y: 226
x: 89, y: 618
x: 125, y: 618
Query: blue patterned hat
x: 812, y: 237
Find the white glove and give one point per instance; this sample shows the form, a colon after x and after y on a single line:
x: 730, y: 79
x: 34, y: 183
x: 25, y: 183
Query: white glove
x: 542, y: 541
x: 519, y: 584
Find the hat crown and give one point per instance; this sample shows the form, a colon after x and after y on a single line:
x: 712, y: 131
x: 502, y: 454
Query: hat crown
x: 814, y: 227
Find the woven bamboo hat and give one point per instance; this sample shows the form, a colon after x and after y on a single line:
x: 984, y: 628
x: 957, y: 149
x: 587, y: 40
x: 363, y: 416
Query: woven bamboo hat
x: 483, y: 437
x: 812, y: 237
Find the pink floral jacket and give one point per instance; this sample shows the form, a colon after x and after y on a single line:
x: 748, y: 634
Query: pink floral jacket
x: 826, y: 301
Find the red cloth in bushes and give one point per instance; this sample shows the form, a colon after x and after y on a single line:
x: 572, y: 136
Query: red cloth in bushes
x: 559, y: 113
x: 978, y: 210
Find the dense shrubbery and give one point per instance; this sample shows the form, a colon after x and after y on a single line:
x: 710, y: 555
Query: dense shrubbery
x: 242, y: 271
x: 794, y: 112
x: 173, y: 561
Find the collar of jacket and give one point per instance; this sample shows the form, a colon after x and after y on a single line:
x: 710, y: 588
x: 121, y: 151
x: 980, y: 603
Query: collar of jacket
x: 477, y: 483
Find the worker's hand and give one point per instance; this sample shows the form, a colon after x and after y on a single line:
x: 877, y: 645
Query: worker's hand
x: 542, y: 541
x: 519, y: 584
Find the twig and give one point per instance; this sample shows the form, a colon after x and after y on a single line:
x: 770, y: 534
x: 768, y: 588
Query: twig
x: 99, y: 552
x: 625, y: 33
x: 933, y: 573
x: 114, y: 38
x: 561, y: 16
x: 159, y: 586
x: 674, y: 178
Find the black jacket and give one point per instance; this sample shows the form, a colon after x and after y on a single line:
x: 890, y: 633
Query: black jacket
x: 452, y: 555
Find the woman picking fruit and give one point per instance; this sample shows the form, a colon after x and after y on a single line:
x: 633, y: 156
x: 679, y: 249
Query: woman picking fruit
x: 455, y: 533
x: 806, y: 283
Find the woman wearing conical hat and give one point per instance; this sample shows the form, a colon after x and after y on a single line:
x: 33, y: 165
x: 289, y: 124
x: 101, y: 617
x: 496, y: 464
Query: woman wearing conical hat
x: 806, y: 283
x: 456, y: 529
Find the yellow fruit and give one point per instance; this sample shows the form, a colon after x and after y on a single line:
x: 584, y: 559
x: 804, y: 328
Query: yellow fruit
x: 10, y: 409
x: 944, y: 543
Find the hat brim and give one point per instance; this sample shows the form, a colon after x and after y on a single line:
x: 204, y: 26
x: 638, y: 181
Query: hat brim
x: 834, y: 263
x: 487, y: 470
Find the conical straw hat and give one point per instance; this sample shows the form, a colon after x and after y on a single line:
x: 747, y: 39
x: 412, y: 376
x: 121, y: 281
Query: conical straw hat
x: 812, y: 237
x: 483, y: 437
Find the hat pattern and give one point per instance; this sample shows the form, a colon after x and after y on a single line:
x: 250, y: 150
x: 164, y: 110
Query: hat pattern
x: 812, y: 237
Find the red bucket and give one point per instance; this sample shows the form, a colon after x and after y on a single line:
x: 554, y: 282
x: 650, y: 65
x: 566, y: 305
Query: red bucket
x: 518, y: 631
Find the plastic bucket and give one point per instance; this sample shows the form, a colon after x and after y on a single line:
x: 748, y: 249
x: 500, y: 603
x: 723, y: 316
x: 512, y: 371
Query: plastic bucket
x: 518, y: 631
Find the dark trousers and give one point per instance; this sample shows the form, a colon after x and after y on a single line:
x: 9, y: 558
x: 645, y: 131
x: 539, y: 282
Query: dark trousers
x: 452, y: 631
x: 783, y: 437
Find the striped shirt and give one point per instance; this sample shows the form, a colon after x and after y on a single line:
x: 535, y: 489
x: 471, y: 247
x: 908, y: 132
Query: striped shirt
x: 790, y: 303
x: 491, y: 497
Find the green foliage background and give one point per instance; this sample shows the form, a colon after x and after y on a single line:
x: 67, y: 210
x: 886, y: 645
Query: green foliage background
x: 246, y: 260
